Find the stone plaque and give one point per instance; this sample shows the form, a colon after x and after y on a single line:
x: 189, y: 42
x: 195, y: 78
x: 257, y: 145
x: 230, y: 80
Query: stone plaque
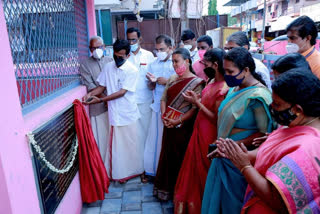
x: 57, y: 139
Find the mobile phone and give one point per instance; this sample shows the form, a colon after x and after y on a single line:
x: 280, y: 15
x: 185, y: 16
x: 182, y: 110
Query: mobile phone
x: 212, y: 147
x: 89, y: 99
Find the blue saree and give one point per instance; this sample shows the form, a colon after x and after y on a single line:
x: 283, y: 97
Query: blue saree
x: 244, y: 109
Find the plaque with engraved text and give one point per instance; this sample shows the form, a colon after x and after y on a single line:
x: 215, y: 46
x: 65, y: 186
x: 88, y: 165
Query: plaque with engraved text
x: 57, y: 140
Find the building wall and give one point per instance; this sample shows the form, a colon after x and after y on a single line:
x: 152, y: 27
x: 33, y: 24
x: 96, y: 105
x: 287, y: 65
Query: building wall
x: 18, y: 192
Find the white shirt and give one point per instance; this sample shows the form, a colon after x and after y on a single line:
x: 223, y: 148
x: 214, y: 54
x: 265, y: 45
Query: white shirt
x: 263, y: 71
x: 160, y: 69
x: 141, y: 60
x: 194, y: 55
x: 124, y: 110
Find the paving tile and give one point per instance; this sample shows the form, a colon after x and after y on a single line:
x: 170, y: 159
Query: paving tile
x: 116, y: 188
x: 132, y: 187
x: 134, y: 180
x: 113, y: 195
x: 111, y: 205
x: 168, y: 210
x: 131, y: 212
x: 151, y: 208
x: 167, y: 204
x: 132, y: 197
x: 94, y: 204
x: 90, y: 210
x: 131, y: 207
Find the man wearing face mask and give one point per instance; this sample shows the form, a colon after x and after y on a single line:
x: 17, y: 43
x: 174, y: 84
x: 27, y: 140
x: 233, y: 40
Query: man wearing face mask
x: 120, y: 77
x: 302, y: 34
x: 90, y: 69
x: 159, y: 72
x: 240, y: 39
x: 141, y: 58
x: 204, y: 43
x: 189, y: 41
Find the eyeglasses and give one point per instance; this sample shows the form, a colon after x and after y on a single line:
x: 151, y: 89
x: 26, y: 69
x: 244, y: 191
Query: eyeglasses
x: 132, y: 40
x: 94, y: 48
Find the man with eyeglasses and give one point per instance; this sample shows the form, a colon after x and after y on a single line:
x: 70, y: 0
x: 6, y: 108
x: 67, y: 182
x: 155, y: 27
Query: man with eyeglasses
x: 141, y: 58
x: 159, y: 72
x: 240, y: 39
x: 90, y: 68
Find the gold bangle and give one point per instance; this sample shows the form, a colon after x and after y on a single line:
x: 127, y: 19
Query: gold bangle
x: 245, y: 167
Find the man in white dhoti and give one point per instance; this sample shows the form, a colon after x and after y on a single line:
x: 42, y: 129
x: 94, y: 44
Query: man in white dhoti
x: 90, y: 68
x: 159, y: 71
x: 120, y: 77
x: 141, y: 58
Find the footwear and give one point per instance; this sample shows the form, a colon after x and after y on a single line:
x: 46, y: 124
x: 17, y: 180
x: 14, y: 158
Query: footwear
x: 144, y: 178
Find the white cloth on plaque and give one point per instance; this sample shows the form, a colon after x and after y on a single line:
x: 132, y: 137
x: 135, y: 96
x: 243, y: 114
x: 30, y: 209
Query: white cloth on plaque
x: 153, y: 144
x: 101, y: 129
x: 127, y: 152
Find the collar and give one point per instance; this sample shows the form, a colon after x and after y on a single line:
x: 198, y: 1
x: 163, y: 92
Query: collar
x: 309, y: 52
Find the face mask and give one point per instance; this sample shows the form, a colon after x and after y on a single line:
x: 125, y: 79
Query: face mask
x: 284, y: 117
x: 180, y: 71
x: 134, y: 47
x: 232, y: 81
x: 292, y: 48
x: 97, y: 53
x: 162, y: 55
x: 188, y: 47
x: 118, y: 60
x: 201, y: 53
x: 210, y: 72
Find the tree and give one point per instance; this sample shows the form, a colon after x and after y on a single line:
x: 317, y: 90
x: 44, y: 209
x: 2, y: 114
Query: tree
x: 212, y: 8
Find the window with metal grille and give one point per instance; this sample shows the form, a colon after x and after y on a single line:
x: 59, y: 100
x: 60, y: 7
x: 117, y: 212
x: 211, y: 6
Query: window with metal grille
x: 48, y: 39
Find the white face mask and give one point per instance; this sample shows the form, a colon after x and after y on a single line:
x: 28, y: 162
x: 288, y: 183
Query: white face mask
x: 292, y: 48
x: 97, y: 53
x: 188, y: 47
x: 162, y: 55
x: 134, y: 47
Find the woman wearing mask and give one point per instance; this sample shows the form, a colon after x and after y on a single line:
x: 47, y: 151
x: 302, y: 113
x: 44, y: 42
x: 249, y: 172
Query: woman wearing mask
x: 177, y: 130
x: 243, y: 116
x: 285, y: 177
x: 193, y: 173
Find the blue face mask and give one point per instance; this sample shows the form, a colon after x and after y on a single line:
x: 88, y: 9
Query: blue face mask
x: 232, y: 81
x: 134, y: 47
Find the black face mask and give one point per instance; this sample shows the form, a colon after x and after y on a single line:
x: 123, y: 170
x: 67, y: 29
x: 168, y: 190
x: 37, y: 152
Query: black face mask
x: 210, y: 72
x: 118, y: 60
x: 284, y: 117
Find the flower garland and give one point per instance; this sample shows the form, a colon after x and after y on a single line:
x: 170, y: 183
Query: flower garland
x: 48, y: 164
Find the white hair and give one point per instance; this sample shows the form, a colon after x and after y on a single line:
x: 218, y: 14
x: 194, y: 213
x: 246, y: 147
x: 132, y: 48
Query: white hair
x: 96, y: 38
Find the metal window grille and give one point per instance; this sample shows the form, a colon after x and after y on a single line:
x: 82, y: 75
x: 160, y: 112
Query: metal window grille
x: 48, y: 39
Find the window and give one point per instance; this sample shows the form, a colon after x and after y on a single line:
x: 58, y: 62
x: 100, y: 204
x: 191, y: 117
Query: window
x: 47, y: 39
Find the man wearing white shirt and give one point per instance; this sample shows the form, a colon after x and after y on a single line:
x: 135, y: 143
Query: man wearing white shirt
x: 141, y: 58
x: 120, y: 77
x: 240, y: 39
x: 190, y: 43
x: 159, y: 72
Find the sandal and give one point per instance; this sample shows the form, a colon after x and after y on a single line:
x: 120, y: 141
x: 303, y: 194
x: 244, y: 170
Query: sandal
x: 144, y: 178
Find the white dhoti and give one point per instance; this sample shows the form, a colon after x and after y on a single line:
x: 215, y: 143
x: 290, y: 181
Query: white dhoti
x: 101, y: 129
x: 144, y: 121
x: 127, y: 152
x: 153, y: 144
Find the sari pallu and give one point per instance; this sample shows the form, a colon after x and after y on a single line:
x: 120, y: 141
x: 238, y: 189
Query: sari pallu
x: 193, y: 173
x: 288, y: 160
x: 175, y: 140
x: 225, y: 185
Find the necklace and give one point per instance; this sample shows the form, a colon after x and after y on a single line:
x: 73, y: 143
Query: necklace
x: 307, y: 123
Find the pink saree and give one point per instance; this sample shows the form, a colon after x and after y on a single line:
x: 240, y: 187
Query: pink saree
x: 288, y: 160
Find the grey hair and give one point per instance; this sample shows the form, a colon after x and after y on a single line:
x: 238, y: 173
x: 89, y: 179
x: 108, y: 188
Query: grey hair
x: 96, y: 38
x: 240, y: 38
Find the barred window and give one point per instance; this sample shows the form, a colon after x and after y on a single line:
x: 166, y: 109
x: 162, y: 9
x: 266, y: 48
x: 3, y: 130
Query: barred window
x: 48, y: 39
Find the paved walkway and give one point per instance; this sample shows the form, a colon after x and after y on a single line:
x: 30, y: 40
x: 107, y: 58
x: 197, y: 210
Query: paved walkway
x: 133, y: 197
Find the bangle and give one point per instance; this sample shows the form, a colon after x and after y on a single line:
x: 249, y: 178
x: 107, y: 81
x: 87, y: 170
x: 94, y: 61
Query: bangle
x: 180, y: 120
x: 245, y: 167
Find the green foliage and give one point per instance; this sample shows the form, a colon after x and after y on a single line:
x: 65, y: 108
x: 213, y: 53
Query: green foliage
x: 212, y: 8
x: 231, y: 20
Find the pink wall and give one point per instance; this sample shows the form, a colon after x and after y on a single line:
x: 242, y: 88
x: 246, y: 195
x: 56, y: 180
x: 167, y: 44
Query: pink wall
x: 18, y: 193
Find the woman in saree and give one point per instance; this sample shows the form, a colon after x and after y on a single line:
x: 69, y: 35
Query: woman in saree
x: 242, y: 116
x: 177, y: 132
x: 193, y: 173
x: 285, y: 177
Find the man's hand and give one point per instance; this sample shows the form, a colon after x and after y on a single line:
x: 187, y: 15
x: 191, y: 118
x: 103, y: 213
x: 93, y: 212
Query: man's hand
x: 161, y: 81
x: 91, y: 100
x: 151, y: 77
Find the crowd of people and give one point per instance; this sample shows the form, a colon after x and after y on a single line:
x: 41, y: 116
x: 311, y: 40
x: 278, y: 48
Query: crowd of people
x: 207, y: 125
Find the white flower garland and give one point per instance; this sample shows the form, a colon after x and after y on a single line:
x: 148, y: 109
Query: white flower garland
x: 48, y: 164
